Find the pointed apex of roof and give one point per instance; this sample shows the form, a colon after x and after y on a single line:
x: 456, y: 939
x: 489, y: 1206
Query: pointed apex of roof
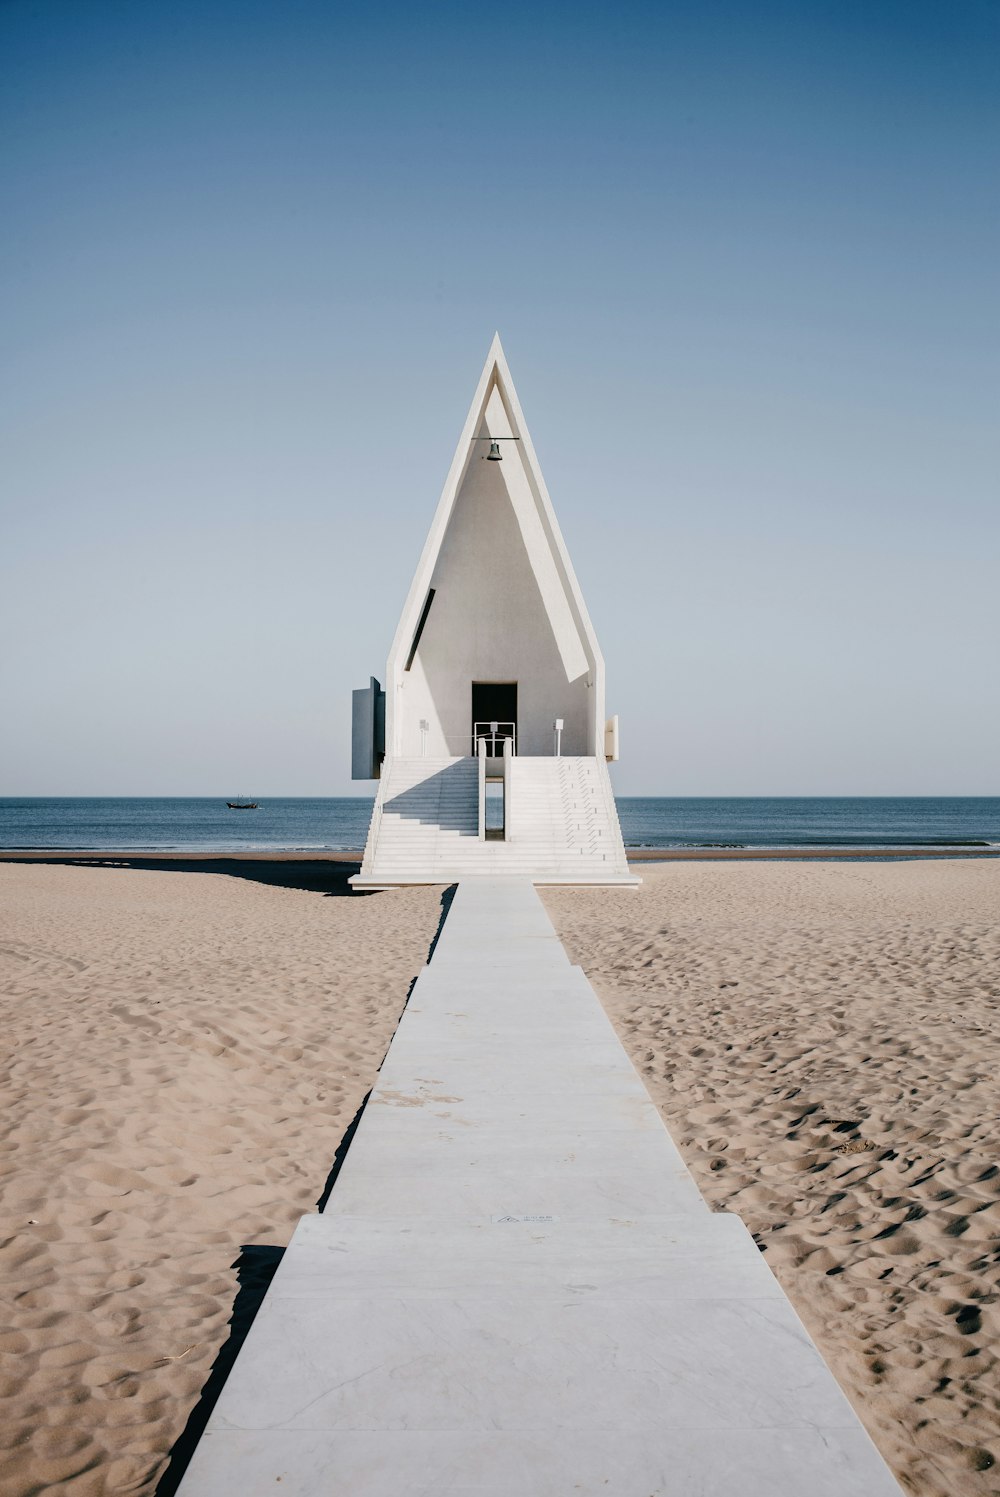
x: 496, y: 374
x: 495, y: 358
x: 495, y: 415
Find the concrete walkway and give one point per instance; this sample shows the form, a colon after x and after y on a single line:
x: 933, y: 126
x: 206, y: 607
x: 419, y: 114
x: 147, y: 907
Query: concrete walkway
x: 516, y: 1289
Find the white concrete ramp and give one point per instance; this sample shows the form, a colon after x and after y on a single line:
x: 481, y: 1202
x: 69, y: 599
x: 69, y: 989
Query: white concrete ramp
x: 516, y: 1289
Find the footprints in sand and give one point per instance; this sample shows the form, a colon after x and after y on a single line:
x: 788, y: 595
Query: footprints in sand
x: 200, y: 1056
x: 844, y: 1098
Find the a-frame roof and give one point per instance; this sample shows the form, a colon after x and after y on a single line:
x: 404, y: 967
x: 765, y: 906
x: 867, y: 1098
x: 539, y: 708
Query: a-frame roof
x: 496, y: 412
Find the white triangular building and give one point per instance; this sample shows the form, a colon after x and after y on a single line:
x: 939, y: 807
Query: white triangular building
x: 490, y: 740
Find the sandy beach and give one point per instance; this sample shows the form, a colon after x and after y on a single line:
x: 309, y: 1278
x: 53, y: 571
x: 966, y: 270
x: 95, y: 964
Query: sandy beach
x: 187, y: 1049
x: 183, y: 1054
x: 823, y: 1041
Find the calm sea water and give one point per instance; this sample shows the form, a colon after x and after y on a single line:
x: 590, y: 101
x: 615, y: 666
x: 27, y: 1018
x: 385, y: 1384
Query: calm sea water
x: 204, y: 824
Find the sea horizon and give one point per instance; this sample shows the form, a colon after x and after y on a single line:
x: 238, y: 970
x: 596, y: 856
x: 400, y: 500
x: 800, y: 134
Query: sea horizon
x: 290, y: 824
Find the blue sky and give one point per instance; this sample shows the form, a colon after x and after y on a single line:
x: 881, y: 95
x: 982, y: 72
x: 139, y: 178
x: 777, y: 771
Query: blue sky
x: 743, y: 259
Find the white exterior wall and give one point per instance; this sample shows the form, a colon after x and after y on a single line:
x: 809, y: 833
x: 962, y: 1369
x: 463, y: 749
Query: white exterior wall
x: 507, y: 606
x: 489, y: 622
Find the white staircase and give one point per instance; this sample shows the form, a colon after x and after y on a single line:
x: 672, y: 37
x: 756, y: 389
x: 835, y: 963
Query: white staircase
x: 426, y: 817
x: 562, y: 816
x: 562, y: 826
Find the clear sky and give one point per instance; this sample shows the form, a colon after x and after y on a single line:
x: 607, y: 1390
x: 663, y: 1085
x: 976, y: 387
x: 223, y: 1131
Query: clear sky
x: 744, y: 260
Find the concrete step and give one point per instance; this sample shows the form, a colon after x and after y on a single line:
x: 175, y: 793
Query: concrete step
x: 558, y: 822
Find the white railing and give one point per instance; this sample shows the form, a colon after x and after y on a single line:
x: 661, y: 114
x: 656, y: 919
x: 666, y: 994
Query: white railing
x: 508, y: 760
x: 492, y: 734
x: 481, y: 756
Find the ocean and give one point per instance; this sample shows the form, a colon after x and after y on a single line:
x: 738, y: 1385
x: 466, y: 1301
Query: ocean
x: 203, y: 824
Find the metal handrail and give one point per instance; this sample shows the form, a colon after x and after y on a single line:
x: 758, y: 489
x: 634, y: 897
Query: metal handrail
x: 508, y: 776
x: 493, y: 733
x: 481, y: 762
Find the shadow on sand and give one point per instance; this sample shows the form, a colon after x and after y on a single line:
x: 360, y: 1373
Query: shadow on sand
x: 255, y: 1268
x: 327, y: 876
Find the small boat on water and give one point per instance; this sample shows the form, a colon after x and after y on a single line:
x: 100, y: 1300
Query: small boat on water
x: 243, y: 805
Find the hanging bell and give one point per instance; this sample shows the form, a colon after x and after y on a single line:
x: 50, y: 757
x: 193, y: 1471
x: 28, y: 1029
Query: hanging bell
x: 493, y: 456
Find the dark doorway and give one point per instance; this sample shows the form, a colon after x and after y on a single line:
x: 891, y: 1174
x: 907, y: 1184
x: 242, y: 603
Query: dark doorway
x: 494, y: 702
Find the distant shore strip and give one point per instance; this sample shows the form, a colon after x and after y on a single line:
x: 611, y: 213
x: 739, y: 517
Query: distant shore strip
x: 152, y: 857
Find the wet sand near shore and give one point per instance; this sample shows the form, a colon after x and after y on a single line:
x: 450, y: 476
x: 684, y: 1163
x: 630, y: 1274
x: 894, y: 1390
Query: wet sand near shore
x: 267, y: 865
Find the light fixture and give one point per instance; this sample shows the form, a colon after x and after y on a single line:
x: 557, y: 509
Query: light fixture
x: 493, y: 456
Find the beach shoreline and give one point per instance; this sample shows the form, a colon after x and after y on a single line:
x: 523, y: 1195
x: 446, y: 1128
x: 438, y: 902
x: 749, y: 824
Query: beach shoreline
x: 214, y: 859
